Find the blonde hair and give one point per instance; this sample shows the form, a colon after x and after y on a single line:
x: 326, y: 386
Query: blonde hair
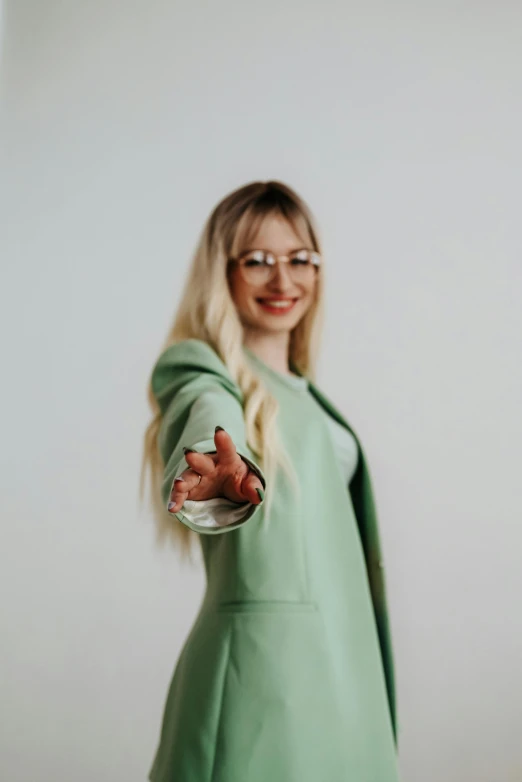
x: 207, y: 312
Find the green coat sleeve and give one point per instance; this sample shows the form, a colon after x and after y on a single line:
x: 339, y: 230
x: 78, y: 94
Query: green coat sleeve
x: 196, y: 393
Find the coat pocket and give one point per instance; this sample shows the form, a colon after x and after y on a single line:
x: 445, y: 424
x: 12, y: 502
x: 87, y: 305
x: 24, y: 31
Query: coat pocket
x: 265, y: 607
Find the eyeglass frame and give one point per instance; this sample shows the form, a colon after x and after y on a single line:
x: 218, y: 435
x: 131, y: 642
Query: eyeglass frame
x: 276, y: 258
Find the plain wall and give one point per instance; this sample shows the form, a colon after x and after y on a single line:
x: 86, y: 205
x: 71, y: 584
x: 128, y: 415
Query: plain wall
x: 122, y: 125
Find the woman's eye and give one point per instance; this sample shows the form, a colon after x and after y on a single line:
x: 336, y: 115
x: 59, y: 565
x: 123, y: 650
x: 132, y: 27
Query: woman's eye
x: 256, y: 258
x: 301, y: 258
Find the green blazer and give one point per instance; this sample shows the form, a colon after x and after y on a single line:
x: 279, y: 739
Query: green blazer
x: 196, y: 392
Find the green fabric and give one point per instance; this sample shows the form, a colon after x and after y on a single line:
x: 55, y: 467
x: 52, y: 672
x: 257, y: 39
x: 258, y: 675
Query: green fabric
x: 287, y: 673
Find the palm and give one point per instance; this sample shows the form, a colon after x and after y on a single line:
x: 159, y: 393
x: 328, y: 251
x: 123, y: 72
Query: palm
x: 223, y: 474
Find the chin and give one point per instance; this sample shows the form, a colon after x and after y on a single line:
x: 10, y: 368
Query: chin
x: 277, y: 323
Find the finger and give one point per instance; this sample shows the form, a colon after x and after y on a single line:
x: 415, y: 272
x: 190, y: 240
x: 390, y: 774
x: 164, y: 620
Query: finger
x: 249, y: 487
x: 179, y: 492
x: 226, y: 450
x: 185, y: 482
x: 177, y: 499
x: 203, y: 463
x: 181, y: 488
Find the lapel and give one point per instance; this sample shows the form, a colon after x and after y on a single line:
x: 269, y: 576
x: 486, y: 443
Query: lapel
x: 361, y: 492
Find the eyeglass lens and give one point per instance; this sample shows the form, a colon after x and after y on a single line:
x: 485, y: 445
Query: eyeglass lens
x: 258, y: 266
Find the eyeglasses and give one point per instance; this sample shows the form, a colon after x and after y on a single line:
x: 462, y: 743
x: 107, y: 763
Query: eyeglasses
x: 258, y: 267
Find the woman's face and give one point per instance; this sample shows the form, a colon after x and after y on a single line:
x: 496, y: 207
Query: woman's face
x: 253, y: 301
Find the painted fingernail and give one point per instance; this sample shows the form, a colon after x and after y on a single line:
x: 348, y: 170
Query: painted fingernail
x: 261, y: 494
x: 171, y: 505
x: 219, y: 429
x: 188, y: 450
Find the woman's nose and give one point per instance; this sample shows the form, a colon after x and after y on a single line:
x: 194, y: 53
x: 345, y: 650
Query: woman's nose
x: 281, y: 276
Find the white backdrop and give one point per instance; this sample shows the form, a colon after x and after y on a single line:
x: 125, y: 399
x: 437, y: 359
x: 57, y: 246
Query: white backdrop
x: 122, y: 125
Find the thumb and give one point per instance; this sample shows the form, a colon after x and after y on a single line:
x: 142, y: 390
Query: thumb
x: 252, y: 488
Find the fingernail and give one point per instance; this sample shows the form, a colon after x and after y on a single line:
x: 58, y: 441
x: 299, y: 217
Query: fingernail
x: 171, y: 505
x: 188, y: 450
x: 261, y: 494
x: 178, y: 479
x: 219, y: 429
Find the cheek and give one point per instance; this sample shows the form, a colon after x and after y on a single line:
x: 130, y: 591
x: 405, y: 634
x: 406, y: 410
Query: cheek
x: 309, y: 293
x: 239, y: 291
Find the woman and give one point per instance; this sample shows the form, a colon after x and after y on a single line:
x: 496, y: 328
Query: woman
x: 287, y: 673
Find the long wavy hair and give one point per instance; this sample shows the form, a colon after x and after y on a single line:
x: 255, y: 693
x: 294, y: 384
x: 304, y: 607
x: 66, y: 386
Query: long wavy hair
x: 207, y: 312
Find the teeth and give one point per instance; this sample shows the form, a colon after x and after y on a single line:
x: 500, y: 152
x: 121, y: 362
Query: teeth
x: 277, y: 302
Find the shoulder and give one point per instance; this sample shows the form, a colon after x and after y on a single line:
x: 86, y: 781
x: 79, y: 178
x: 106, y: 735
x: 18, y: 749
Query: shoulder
x: 190, y: 363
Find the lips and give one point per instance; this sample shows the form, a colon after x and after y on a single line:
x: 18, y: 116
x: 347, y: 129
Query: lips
x: 275, y: 305
x: 272, y: 300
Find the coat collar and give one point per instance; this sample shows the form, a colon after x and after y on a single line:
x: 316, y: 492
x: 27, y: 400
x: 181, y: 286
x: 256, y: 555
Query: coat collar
x: 325, y: 402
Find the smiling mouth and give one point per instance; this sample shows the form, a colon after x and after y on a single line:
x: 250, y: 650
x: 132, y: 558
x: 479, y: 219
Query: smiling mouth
x: 277, y: 305
x: 278, y: 302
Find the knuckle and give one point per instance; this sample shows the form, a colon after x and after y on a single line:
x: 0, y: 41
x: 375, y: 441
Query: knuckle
x: 238, y: 473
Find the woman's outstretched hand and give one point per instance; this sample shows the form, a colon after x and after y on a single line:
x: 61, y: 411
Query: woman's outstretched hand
x: 223, y: 474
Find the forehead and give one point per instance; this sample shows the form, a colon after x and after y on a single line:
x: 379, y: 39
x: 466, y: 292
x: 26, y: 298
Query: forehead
x: 276, y: 233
